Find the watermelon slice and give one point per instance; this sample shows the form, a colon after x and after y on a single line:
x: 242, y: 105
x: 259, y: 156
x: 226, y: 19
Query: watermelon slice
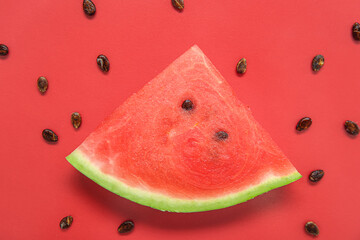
x: 155, y: 152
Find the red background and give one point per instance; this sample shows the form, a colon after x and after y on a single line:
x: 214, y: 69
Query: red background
x: 279, y: 39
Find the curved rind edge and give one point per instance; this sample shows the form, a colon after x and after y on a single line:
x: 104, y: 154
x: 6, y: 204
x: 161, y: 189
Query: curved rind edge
x: 165, y: 203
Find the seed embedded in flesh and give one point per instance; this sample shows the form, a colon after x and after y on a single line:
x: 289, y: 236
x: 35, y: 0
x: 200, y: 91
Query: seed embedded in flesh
x: 178, y: 4
x: 103, y: 63
x: 4, y: 50
x: 356, y: 31
x: 317, y: 63
x: 351, y: 127
x: 303, y: 124
x: 76, y: 120
x: 221, y: 135
x: 316, y: 175
x: 126, y: 226
x: 49, y: 135
x: 187, y: 105
x: 311, y: 228
x: 241, y: 66
x: 89, y: 7
x: 66, y: 222
x: 42, y: 84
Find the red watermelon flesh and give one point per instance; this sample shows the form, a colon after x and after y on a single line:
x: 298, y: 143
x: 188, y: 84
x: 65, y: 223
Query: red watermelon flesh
x: 152, y: 151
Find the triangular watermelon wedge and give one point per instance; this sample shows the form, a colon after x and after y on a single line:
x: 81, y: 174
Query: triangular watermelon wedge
x: 156, y: 152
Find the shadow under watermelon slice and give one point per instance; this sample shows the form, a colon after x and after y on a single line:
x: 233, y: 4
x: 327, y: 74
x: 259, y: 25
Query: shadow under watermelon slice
x: 154, y: 152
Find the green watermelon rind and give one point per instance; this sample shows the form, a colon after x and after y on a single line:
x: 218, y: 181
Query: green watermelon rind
x: 167, y: 203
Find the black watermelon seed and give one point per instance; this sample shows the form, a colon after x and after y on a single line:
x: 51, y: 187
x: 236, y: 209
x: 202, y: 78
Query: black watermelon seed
x: 221, y: 135
x: 316, y: 175
x: 303, y: 124
x: 126, y: 226
x: 103, y: 63
x: 76, y: 120
x: 351, y: 127
x: 4, y: 50
x: 356, y: 31
x: 241, y: 66
x: 187, y: 105
x: 42, y: 84
x: 66, y: 222
x: 317, y: 63
x: 311, y: 228
x: 178, y: 4
x: 89, y: 7
x: 49, y: 135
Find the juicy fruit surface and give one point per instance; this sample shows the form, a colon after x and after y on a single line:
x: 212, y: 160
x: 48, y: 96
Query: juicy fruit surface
x: 151, y: 143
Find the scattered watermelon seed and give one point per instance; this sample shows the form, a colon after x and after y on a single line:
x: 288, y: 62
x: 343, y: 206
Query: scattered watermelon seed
x: 89, y: 7
x: 318, y: 62
x: 76, y: 120
x: 221, y: 135
x: 356, y: 31
x: 241, y: 66
x: 351, y: 127
x: 49, y: 135
x: 311, y: 228
x: 187, y: 105
x: 4, y: 50
x: 178, y: 4
x: 66, y: 222
x: 126, y: 226
x: 316, y: 175
x: 103, y: 63
x: 303, y: 124
x: 42, y: 84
